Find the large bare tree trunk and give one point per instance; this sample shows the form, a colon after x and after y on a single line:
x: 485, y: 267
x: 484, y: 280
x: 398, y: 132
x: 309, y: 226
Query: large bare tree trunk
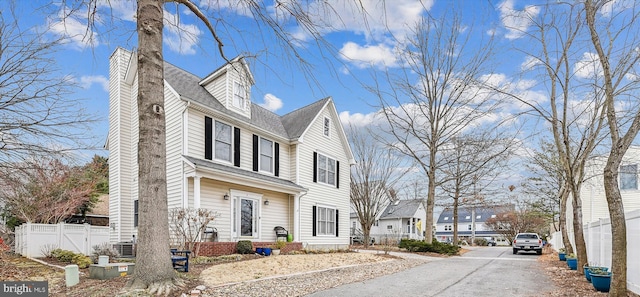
x: 618, y: 225
x: 455, y: 221
x: 153, y: 262
x: 578, y: 234
x: 564, y: 196
x: 431, y: 199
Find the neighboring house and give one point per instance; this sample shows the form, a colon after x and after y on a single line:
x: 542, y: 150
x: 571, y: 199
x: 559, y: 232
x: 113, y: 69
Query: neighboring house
x: 400, y: 219
x: 471, y: 224
x: 98, y: 216
x: 256, y: 169
x: 594, y: 201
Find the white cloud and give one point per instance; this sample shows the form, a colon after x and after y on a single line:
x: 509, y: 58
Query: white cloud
x: 181, y: 38
x: 74, y: 28
x: 516, y: 21
x: 588, y: 67
x: 87, y: 81
x: 610, y: 7
x: 238, y: 7
x: 379, y: 55
x: 359, y: 119
x: 124, y: 10
x: 271, y: 102
x: 529, y: 63
x: 371, y: 18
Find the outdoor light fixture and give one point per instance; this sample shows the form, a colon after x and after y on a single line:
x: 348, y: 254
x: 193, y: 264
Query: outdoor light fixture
x: 266, y: 202
x: 226, y: 196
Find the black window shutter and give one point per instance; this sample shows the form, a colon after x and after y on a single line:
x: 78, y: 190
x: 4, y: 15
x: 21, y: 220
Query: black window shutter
x: 135, y: 213
x: 337, y: 223
x: 236, y: 146
x: 338, y: 174
x: 314, y: 221
x: 276, y: 159
x: 255, y: 152
x: 315, y: 167
x: 208, y: 138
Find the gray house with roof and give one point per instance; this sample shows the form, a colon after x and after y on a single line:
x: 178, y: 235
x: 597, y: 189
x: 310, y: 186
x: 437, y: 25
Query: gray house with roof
x: 400, y: 219
x: 256, y: 169
x: 471, y: 223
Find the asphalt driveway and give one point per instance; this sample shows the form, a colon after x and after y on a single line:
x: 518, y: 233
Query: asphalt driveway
x: 484, y: 271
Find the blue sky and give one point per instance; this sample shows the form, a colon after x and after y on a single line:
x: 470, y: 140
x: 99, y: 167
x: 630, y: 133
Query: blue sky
x: 362, y: 47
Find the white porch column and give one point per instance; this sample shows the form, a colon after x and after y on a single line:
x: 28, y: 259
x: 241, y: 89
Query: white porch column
x: 296, y: 217
x: 196, y: 192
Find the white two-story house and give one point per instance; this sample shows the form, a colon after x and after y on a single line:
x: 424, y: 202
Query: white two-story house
x: 255, y: 168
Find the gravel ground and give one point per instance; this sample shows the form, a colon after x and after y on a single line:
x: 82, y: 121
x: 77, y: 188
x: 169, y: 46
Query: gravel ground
x: 307, y: 283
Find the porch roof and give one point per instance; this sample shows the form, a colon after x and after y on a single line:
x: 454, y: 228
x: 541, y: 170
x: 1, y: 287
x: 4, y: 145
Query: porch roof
x: 240, y: 176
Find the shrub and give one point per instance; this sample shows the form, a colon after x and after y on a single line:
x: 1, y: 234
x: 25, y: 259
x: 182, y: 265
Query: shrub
x: 103, y: 249
x: 48, y: 249
x: 480, y: 241
x: 413, y: 245
x: 244, y: 247
x: 63, y: 255
x: 81, y: 260
x: 279, y: 245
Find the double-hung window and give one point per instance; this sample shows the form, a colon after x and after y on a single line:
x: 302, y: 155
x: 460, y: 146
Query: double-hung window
x: 629, y: 177
x: 326, y: 221
x: 223, y: 142
x: 326, y: 170
x: 266, y: 155
x: 239, y: 95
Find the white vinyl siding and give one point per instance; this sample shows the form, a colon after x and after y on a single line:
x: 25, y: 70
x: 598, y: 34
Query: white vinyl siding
x: 315, y: 141
x: 174, y: 141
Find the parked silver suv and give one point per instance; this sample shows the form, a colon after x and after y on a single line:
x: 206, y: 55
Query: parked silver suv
x: 527, y: 242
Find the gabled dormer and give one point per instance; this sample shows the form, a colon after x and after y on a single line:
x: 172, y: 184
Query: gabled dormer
x: 231, y: 85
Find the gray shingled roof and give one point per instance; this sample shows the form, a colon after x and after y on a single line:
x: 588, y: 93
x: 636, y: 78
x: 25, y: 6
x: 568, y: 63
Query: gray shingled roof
x: 238, y: 171
x: 297, y: 121
x: 188, y: 87
x: 403, y: 209
x: 463, y: 212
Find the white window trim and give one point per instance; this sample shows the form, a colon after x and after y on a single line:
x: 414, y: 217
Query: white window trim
x: 273, y: 148
x: 230, y: 161
x: 327, y: 170
x: 235, y: 194
x: 333, y: 234
x: 326, y: 131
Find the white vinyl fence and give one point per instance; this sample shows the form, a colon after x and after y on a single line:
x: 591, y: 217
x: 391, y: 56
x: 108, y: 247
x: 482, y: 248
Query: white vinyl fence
x: 33, y: 239
x: 597, y: 236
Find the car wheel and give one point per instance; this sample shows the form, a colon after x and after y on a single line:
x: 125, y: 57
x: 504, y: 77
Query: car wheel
x: 515, y: 251
x: 539, y: 252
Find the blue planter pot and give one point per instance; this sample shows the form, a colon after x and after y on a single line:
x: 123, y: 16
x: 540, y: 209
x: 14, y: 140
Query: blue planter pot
x: 572, y: 263
x: 586, y: 273
x: 259, y: 251
x: 601, y: 282
x: 266, y: 251
x: 562, y: 256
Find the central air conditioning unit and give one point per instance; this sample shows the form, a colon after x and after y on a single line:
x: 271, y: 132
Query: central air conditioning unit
x: 126, y: 249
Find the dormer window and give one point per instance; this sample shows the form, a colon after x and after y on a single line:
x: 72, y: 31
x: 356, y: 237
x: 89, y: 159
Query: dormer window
x: 239, y: 95
x: 327, y: 127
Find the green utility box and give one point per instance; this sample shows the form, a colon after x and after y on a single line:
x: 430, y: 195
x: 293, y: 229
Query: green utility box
x: 111, y: 270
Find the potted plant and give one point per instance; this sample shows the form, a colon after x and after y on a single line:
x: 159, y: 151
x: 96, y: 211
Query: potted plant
x: 572, y: 261
x: 600, y: 279
x: 275, y: 249
x: 562, y: 253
